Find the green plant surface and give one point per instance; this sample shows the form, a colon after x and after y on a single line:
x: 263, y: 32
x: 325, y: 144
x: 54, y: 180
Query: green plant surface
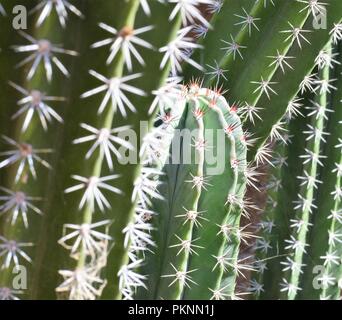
x: 186, y: 247
x: 311, y: 267
x: 59, y: 208
x: 326, y: 221
x: 279, y: 201
x: 93, y: 96
x: 258, y: 49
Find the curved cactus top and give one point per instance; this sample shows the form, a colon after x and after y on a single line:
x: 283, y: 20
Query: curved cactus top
x: 201, y: 192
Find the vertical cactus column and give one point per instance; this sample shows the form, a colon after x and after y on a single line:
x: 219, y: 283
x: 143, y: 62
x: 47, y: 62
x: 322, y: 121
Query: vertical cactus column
x: 277, y: 220
x: 193, y: 220
x: 114, y: 87
x: 61, y: 211
x: 119, y: 182
x: 311, y: 267
x: 34, y: 131
x: 323, y: 279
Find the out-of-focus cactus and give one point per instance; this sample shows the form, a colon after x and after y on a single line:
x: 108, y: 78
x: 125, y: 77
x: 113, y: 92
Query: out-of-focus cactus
x: 90, y: 143
x: 92, y: 204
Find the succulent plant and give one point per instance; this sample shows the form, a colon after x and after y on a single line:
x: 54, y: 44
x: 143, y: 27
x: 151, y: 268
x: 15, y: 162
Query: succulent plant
x: 195, y: 220
x: 140, y: 140
x: 305, y: 239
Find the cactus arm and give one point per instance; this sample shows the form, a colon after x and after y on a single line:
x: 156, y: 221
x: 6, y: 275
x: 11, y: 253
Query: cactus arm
x: 305, y: 209
x: 255, y: 64
x: 93, y: 168
x: 299, y: 242
x: 333, y: 270
x: 117, y: 71
x: 118, y: 256
x: 172, y: 218
x: 324, y: 221
x: 302, y: 64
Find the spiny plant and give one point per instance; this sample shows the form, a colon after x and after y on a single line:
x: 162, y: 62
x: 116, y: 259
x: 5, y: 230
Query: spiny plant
x: 89, y: 223
x: 196, y: 229
x: 306, y: 237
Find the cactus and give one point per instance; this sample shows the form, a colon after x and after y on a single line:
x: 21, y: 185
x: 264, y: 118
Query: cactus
x: 194, y: 220
x: 304, y: 240
x: 122, y: 177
